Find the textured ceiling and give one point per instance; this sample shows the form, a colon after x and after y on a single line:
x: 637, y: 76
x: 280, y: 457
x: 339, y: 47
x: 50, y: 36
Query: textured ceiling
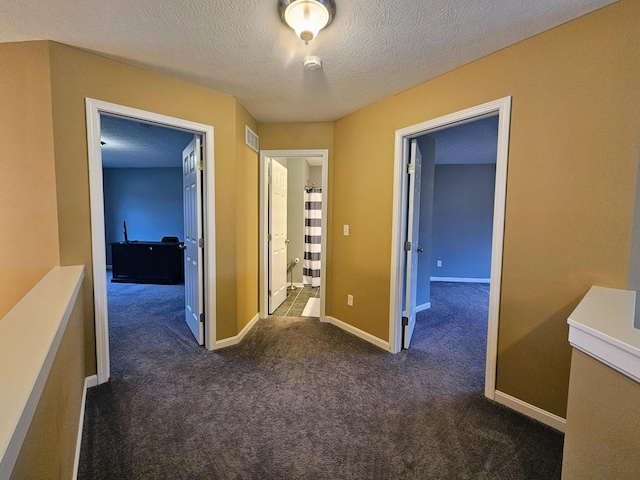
x: 130, y: 144
x: 470, y: 143
x: 373, y: 48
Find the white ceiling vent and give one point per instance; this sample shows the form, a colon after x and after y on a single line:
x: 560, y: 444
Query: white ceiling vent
x: 251, y: 138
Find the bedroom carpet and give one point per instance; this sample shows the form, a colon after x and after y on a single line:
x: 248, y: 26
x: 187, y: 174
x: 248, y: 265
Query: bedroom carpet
x: 299, y: 399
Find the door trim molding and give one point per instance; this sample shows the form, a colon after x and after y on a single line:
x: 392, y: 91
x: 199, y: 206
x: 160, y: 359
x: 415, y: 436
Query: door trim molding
x: 93, y: 110
x: 265, y: 157
x: 501, y: 107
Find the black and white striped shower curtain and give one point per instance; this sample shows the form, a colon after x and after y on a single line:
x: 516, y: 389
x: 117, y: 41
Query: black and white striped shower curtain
x: 312, y: 237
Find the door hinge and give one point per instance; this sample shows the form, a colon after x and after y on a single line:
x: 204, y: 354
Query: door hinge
x: 269, y: 179
x: 201, y: 242
x: 269, y: 237
x: 269, y: 292
x: 201, y: 164
x: 407, y: 246
x: 202, y: 318
x: 405, y: 321
x: 411, y: 169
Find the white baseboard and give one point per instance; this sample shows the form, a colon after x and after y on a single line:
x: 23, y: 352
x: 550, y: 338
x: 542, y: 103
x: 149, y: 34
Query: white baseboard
x: 424, y: 306
x: 460, y: 279
x: 228, y: 342
x: 89, y: 382
x: 378, y: 342
x: 531, y: 411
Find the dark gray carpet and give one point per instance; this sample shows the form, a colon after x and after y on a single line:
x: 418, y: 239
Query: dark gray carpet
x: 303, y: 400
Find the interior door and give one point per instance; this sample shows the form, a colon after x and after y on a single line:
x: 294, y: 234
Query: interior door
x: 277, y: 236
x: 411, y: 247
x: 193, y: 242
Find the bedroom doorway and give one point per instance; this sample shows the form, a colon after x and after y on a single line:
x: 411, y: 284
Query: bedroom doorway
x: 404, y: 251
x: 95, y: 111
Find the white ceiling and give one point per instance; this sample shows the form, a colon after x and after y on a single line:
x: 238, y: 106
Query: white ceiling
x: 470, y: 143
x: 130, y: 144
x: 373, y: 48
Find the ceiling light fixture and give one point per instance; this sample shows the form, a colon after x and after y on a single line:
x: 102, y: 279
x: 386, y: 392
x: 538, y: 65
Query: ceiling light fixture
x: 307, y: 17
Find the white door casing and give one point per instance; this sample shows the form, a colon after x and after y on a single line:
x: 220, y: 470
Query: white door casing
x: 192, y: 204
x: 95, y: 108
x: 266, y: 157
x: 501, y: 108
x: 413, y: 233
x: 278, y: 235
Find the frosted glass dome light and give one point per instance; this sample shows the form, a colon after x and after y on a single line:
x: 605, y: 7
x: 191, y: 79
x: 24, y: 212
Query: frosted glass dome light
x: 307, y: 17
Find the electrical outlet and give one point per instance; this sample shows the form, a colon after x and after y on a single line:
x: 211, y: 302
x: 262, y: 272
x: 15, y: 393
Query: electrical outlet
x: 439, y: 263
x: 346, y: 230
x: 350, y: 300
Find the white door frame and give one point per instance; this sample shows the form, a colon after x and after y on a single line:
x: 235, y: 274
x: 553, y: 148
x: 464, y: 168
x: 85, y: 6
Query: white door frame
x: 94, y: 108
x: 265, y: 158
x: 501, y: 107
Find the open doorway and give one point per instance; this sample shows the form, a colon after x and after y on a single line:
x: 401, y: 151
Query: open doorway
x: 152, y: 178
x: 198, y: 216
x: 454, y: 223
x: 293, y: 219
x: 146, y: 232
x: 406, y: 243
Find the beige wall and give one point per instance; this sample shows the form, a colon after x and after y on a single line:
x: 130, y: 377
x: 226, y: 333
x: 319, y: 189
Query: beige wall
x: 49, y: 448
x: 28, y: 217
x: 246, y: 220
x: 570, y: 191
x: 603, y: 423
x: 76, y: 74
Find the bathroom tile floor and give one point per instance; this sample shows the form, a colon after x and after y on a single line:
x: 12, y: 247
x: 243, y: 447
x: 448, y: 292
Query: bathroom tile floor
x: 296, y: 301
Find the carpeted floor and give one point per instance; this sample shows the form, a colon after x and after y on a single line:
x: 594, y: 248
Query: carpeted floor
x: 303, y: 400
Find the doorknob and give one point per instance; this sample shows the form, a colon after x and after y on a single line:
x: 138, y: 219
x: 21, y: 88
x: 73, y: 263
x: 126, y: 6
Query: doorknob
x: 182, y: 246
x: 420, y: 250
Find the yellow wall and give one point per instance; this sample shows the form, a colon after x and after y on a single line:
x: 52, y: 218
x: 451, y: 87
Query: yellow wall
x: 603, y: 423
x: 291, y: 136
x: 304, y: 136
x: 76, y: 74
x: 49, y: 448
x: 246, y: 220
x: 570, y: 191
x: 28, y: 217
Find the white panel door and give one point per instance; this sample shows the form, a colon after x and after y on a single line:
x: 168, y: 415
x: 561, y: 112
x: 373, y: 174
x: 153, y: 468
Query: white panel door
x: 192, y: 203
x: 413, y: 232
x: 278, y: 236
